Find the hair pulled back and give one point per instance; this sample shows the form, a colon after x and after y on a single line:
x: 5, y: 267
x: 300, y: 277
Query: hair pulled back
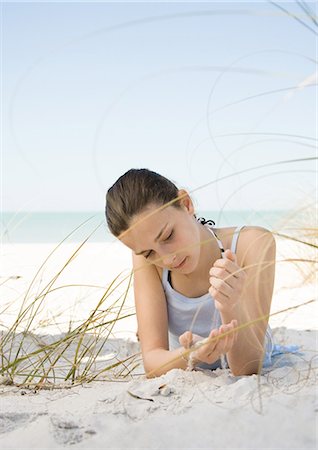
x: 132, y: 193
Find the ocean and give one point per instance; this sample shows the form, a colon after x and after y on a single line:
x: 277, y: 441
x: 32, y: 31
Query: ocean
x: 47, y: 227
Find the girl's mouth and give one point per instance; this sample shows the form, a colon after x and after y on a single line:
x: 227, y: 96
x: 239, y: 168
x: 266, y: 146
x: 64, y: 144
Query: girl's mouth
x: 181, y: 264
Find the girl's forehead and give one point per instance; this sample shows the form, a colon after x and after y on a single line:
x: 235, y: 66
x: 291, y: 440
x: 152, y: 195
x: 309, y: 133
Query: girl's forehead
x: 146, y: 227
x: 153, y: 214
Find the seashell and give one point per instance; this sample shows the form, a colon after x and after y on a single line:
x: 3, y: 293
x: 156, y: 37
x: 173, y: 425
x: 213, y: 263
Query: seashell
x: 148, y: 390
x: 165, y: 391
x: 133, y: 394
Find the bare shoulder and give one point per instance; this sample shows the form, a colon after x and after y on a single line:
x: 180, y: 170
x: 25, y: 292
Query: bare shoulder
x: 254, y: 242
x: 252, y: 238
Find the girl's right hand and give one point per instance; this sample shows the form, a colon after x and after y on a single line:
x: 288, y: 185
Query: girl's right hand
x: 211, y: 352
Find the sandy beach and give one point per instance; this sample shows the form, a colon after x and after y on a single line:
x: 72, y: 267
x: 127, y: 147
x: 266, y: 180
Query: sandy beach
x: 181, y: 409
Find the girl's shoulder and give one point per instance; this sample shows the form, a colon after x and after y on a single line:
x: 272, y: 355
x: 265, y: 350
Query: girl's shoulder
x: 250, y: 239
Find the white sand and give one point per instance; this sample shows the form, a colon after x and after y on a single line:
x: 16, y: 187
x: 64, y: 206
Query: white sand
x: 204, y: 409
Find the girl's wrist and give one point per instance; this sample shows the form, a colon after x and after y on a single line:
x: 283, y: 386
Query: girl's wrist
x: 184, y: 356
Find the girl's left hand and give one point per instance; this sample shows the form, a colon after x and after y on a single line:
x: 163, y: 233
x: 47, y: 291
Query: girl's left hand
x: 227, y: 281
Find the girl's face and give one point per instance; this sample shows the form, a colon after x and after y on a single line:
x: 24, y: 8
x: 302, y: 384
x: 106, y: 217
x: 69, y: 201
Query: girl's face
x: 167, y: 233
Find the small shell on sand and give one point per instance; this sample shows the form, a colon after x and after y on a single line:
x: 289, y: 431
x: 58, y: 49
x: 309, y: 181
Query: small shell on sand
x: 166, y: 390
x: 150, y: 388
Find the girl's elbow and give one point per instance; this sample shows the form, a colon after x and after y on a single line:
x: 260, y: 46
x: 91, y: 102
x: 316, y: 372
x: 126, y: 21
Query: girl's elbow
x: 247, y: 370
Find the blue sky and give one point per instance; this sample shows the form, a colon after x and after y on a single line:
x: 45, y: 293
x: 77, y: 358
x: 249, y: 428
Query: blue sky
x: 91, y: 90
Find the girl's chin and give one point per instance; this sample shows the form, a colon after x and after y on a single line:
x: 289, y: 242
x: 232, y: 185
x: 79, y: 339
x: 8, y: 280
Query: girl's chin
x: 186, y: 267
x: 190, y: 266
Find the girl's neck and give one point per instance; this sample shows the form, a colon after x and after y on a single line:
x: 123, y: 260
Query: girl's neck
x: 210, y: 252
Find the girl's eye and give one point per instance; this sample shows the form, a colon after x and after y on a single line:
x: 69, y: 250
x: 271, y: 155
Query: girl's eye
x: 167, y: 239
x: 169, y: 236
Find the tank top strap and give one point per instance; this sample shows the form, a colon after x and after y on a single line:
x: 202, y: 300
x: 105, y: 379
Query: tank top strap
x: 217, y: 239
x: 235, y: 238
x: 165, y: 273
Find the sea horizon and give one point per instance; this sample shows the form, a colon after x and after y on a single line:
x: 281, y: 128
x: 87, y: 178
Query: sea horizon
x: 55, y: 226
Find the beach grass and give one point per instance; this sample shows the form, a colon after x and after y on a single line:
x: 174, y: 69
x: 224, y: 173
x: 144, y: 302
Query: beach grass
x: 40, y: 361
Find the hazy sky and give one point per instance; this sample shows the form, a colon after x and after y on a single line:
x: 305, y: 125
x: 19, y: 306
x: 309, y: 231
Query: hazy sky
x: 90, y: 90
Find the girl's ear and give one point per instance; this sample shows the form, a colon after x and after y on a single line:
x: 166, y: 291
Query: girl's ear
x: 186, y: 201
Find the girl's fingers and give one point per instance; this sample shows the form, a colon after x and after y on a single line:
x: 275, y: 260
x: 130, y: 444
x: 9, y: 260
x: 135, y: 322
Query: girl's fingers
x: 185, y: 339
x: 213, y: 344
x: 221, y: 345
x: 214, y: 333
x: 221, y: 286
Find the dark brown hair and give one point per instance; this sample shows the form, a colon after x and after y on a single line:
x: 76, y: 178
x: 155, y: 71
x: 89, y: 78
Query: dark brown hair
x: 132, y: 193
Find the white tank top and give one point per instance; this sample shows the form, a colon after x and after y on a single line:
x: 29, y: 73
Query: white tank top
x: 196, y: 314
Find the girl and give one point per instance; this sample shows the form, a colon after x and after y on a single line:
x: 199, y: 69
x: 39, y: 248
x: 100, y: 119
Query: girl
x: 186, y: 286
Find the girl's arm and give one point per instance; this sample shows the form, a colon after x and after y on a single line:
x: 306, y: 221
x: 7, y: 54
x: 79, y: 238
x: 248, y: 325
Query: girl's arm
x: 152, y: 319
x: 256, y: 255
